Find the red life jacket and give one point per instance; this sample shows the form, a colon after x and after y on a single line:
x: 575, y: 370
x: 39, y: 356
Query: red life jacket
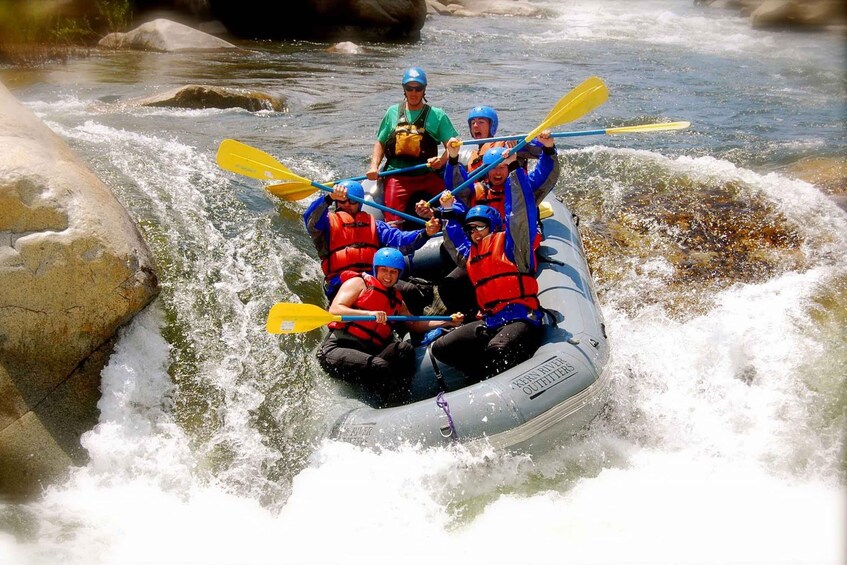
x: 374, y: 297
x: 475, y: 160
x: 494, y: 198
x: 352, y: 243
x: 497, y: 279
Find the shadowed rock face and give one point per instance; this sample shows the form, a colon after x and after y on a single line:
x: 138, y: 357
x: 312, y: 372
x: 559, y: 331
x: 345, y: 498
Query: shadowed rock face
x: 73, y: 269
x: 336, y: 20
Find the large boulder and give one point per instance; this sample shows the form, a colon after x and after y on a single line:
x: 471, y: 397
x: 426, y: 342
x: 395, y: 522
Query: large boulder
x: 73, y: 269
x: 331, y: 20
x: 790, y: 14
x: 164, y: 35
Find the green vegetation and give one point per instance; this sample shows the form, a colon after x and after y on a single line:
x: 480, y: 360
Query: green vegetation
x: 33, y: 33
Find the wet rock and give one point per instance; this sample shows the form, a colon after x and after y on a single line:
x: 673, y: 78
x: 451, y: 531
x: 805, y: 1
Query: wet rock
x: 346, y: 47
x: 660, y: 239
x: 829, y: 174
x: 471, y: 8
x: 791, y: 14
x: 198, y: 97
x: 73, y: 269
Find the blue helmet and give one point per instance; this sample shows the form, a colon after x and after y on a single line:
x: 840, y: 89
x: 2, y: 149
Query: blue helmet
x: 484, y: 112
x: 354, y: 189
x: 389, y: 257
x: 493, y: 155
x: 414, y: 74
x: 487, y: 214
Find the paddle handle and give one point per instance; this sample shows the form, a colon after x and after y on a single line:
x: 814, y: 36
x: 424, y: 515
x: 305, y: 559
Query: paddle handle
x: 397, y: 318
x: 391, y: 172
x: 326, y: 188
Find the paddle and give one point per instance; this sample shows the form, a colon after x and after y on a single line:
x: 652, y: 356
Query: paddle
x: 584, y: 98
x: 292, y: 318
x: 243, y: 159
x: 287, y: 192
x: 608, y: 131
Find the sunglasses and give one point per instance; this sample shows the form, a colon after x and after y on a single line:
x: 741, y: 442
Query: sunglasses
x: 413, y: 88
x: 471, y: 228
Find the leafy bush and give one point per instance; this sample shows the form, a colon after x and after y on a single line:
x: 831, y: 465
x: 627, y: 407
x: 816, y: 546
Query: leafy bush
x: 33, y: 33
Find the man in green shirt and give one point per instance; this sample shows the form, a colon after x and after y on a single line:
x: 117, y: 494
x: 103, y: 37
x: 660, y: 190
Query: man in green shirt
x: 411, y: 133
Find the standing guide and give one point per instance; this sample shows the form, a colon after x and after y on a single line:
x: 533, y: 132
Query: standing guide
x: 411, y: 133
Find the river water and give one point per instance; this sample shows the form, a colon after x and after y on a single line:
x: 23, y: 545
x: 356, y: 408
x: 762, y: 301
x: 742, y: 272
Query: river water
x: 723, y: 281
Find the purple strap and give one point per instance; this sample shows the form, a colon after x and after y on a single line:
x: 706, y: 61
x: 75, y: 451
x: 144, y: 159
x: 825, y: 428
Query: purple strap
x: 441, y: 403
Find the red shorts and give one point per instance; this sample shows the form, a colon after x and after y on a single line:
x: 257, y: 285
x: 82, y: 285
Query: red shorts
x: 402, y: 192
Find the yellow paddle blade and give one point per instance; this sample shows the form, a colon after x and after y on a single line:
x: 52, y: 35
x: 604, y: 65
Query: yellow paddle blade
x: 292, y: 318
x: 586, y: 97
x: 240, y: 158
x: 649, y: 127
x: 291, y: 190
x: 545, y: 210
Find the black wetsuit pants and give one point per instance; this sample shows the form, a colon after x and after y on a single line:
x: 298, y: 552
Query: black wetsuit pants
x: 480, y: 352
x: 457, y: 293
x: 387, y: 372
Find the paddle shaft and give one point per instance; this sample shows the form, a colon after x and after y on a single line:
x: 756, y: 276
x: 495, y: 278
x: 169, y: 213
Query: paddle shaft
x: 607, y: 131
x: 288, y: 318
x: 397, y: 318
x: 516, y: 137
x: 245, y: 160
x: 373, y: 204
x: 480, y: 172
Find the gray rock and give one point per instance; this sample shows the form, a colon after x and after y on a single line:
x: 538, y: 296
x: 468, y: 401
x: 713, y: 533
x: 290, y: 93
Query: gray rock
x: 164, y: 35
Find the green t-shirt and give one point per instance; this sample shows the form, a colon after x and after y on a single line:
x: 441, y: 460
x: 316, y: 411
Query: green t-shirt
x: 438, y: 125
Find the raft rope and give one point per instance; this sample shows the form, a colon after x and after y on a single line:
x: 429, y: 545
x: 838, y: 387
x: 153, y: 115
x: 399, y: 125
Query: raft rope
x: 441, y: 403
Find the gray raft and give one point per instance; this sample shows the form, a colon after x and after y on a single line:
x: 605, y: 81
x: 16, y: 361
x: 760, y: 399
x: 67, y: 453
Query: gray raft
x: 529, y: 407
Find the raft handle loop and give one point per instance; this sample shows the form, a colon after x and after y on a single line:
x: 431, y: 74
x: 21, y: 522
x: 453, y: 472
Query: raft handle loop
x: 542, y: 258
x: 451, y: 427
x: 551, y: 315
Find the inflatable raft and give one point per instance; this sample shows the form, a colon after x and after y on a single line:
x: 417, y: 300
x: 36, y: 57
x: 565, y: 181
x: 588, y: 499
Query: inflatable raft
x: 529, y: 407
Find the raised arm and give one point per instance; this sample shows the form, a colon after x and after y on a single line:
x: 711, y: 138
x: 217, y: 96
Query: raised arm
x: 521, y: 221
x: 316, y: 218
x: 455, y: 173
x: 544, y: 176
